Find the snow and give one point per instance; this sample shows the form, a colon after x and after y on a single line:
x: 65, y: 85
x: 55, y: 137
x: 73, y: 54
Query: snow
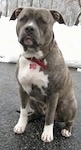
x: 10, y: 49
x: 68, y: 39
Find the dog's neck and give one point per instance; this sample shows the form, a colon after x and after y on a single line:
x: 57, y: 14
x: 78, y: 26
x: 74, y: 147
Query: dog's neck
x: 40, y: 60
x: 48, y: 48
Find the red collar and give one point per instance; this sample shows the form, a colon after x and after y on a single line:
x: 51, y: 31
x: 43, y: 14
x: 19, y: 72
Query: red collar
x: 39, y: 62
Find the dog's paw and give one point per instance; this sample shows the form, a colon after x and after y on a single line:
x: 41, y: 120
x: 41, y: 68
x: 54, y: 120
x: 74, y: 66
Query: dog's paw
x: 47, y: 135
x: 20, y: 126
x: 19, y: 129
x: 66, y: 133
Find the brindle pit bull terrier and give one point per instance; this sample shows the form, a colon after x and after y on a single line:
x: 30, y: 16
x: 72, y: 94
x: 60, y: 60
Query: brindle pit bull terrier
x: 44, y: 79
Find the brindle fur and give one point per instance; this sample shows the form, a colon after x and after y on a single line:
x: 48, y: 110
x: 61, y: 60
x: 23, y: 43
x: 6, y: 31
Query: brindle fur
x: 59, y: 99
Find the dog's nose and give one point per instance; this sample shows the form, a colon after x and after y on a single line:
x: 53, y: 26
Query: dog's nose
x: 29, y: 29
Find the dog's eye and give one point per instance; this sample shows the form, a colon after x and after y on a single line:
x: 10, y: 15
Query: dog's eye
x: 42, y: 21
x: 24, y: 18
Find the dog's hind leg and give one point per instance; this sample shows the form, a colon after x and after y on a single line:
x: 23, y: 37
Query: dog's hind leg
x: 22, y: 122
x: 66, y: 132
x: 69, y: 115
x: 34, y: 116
x: 38, y: 110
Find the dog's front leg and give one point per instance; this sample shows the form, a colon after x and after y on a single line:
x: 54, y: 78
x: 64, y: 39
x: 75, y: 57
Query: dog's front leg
x: 22, y: 122
x: 47, y: 135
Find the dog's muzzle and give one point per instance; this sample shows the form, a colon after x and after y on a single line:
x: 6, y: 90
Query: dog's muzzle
x: 28, y: 40
x: 29, y: 37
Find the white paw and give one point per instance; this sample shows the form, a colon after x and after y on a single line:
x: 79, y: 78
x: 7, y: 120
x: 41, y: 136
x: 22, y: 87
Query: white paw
x: 66, y: 133
x: 19, y: 128
x: 47, y: 135
x: 21, y: 125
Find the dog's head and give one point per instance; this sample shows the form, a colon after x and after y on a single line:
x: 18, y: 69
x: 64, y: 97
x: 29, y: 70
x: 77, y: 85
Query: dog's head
x: 35, y: 26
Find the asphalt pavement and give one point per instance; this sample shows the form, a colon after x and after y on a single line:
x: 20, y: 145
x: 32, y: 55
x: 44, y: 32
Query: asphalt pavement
x: 31, y: 139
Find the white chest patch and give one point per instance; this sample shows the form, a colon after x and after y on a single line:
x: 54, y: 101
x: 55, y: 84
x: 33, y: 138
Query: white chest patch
x: 29, y: 73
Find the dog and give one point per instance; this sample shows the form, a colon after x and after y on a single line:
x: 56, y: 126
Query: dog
x: 45, y: 81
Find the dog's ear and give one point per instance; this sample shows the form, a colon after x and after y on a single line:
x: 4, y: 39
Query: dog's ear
x: 57, y: 16
x: 15, y: 13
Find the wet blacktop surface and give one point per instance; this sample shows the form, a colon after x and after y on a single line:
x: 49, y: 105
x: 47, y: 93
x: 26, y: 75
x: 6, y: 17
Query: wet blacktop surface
x: 31, y: 139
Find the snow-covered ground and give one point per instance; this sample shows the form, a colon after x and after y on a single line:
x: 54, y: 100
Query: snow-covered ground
x: 68, y: 39
x: 10, y: 49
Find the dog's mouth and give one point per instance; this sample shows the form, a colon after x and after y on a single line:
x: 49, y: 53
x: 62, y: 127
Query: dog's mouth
x: 27, y: 41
